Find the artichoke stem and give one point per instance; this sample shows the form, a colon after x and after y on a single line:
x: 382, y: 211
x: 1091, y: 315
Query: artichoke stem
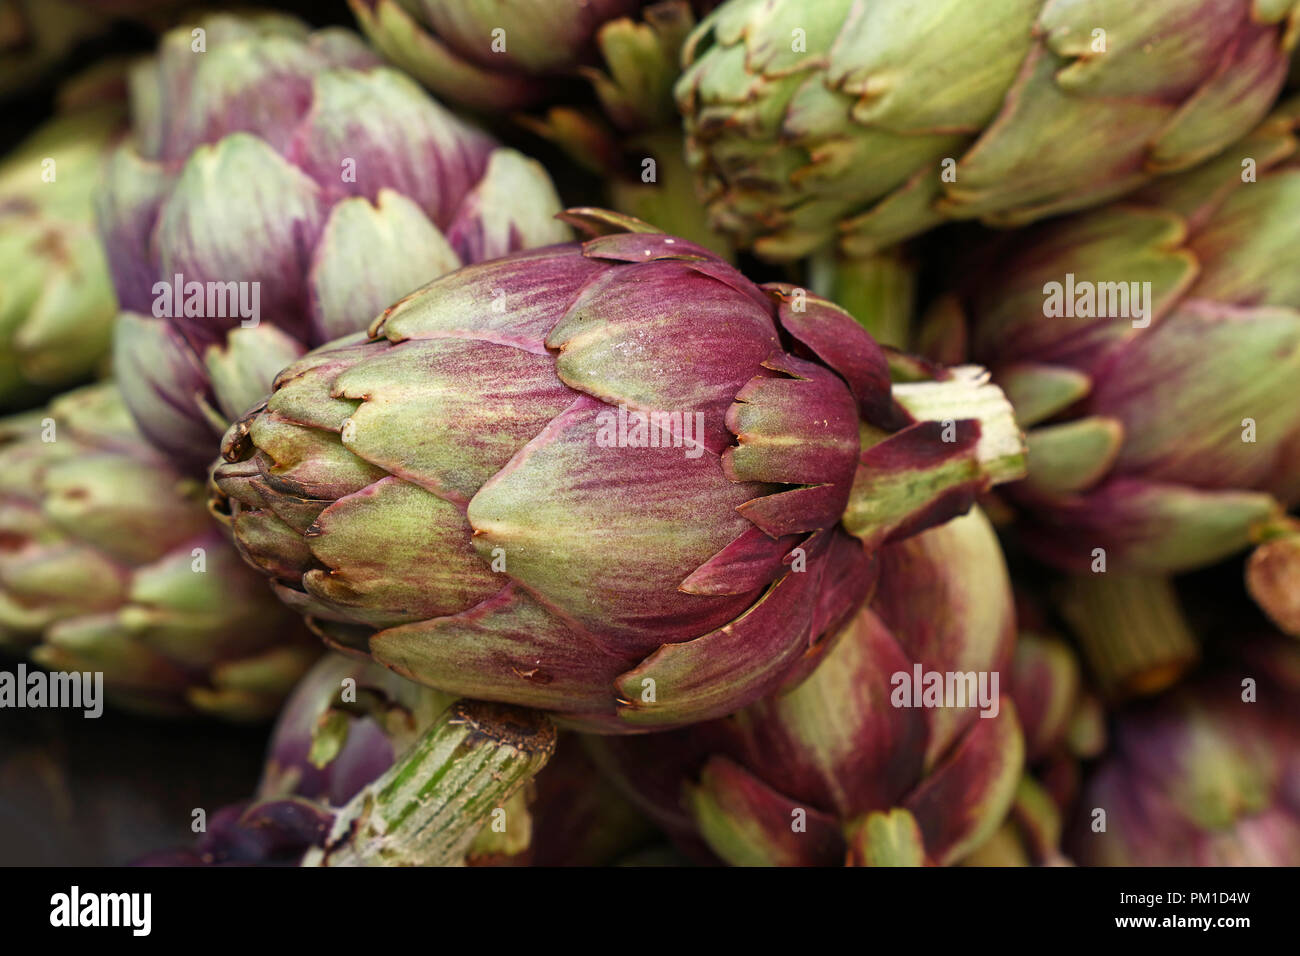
x: 427, y: 809
x: 879, y: 291
x: 1132, y: 631
x: 964, y: 440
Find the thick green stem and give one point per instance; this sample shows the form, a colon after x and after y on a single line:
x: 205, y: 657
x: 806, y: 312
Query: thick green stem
x: 669, y: 200
x: 427, y: 809
x: 879, y: 291
x: 966, y: 440
x: 1131, y: 629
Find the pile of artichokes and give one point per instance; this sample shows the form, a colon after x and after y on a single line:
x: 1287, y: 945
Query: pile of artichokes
x: 691, y: 433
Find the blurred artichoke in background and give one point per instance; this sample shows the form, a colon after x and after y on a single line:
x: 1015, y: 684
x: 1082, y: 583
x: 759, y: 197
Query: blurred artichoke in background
x: 591, y: 479
x: 1165, y: 431
x: 36, y: 34
x: 56, y: 298
x: 864, y: 122
x: 1203, y: 776
x: 109, y: 563
x: 1153, y: 346
x: 604, y: 71
x: 493, y: 55
x: 848, y: 763
x: 280, y: 190
x: 1063, y: 724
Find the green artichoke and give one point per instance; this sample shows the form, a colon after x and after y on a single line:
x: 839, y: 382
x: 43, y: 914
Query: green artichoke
x: 56, y: 298
x: 858, y: 761
x: 615, y: 480
x: 109, y: 563
x: 279, y: 190
x: 1204, y: 776
x: 863, y: 122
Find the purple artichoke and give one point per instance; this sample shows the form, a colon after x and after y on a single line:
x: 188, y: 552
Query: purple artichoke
x: 1062, y: 724
x: 858, y: 123
x: 614, y: 480
x: 846, y: 765
x: 1205, y: 776
x: 281, y: 188
x: 1165, y: 432
x: 495, y: 57
x: 109, y: 563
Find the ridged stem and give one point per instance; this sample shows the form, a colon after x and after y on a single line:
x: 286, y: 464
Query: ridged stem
x: 427, y: 809
x: 1131, y: 629
x: 879, y: 291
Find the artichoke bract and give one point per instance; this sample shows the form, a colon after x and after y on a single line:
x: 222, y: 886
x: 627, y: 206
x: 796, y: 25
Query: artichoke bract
x: 279, y: 190
x: 863, y: 122
x: 612, y: 480
x: 1153, y: 347
x: 867, y: 759
x: 1204, y: 776
x: 56, y: 297
x: 109, y: 563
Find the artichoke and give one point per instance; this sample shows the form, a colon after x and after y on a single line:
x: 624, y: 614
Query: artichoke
x: 282, y: 175
x: 599, y: 479
x: 494, y: 55
x: 858, y: 761
x: 109, y: 563
x: 56, y: 298
x: 1204, y: 776
x: 1112, y: 330
x: 1212, y: 338
x: 1062, y: 724
x: 863, y: 122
